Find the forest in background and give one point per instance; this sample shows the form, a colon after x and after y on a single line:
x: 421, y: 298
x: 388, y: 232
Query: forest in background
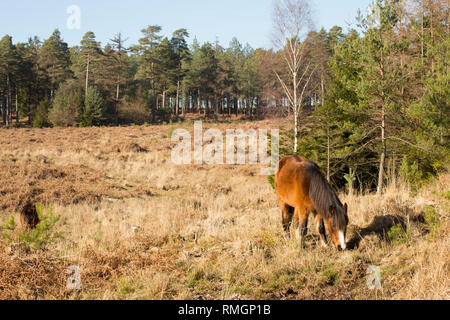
x: 379, y: 92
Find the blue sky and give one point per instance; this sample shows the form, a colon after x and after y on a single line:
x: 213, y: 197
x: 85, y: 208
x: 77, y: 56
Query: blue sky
x: 248, y: 20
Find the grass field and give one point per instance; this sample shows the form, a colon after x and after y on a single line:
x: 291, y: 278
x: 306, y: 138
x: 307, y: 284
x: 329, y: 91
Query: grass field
x: 140, y: 227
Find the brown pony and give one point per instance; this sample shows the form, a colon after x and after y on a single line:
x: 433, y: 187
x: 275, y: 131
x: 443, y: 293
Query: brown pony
x: 302, y: 189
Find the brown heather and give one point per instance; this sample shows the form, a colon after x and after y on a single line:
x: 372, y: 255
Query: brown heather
x: 142, y: 228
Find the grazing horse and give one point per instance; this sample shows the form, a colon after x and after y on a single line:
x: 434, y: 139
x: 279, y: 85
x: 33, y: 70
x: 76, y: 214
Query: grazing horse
x: 29, y: 217
x: 302, y: 189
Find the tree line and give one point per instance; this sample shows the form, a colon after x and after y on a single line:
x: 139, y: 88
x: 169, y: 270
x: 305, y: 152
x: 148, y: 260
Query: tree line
x: 50, y: 83
x: 369, y: 104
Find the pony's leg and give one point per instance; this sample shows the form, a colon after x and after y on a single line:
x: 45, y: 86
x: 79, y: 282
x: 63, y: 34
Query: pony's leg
x: 321, y: 229
x: 295, y: 223
x: 287, y: 215
x: 302, y: 218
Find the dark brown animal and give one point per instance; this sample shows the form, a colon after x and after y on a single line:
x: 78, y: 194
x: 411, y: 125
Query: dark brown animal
x: 302, y: 189
x: 29, y: 217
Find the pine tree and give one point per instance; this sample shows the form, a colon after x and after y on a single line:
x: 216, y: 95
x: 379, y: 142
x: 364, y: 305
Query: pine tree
x: 148, y: 62
x: 86, y: 60
x: 235, y: 56
x: 248, y: 83
x: 9, y: 66
x: 54, y: 59
x: 119, y: 64
x: 191, y: 80
x: 166, y: 70
x: 32, y: 91
x: 94, y: 108
x: 378, y: 85
x: 68, y: 105
x: 41, y: 117
x: 181, y: 51
x: 208, y: 75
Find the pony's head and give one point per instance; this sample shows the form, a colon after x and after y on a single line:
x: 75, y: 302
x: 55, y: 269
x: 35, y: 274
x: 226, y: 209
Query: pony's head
x: 337, y: 225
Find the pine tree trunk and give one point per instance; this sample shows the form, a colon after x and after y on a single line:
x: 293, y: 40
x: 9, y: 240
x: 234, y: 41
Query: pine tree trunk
x: 383, y: 127
x: 322, y: 85
x: 198, y: 102
x: 17, y: 108
x: 177, y: 103
x: 8, y: 107
x: 394, y: 170
x: 4, y: 110
x: 183, y: 100
x: 154, y: 104
x: 383, y: 153
x: 87, y: 75
x: 117, y: 103
x: 52, y: 87
x: 216, y: 109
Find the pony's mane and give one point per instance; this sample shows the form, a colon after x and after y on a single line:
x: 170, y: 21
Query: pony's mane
x: 321, y: 193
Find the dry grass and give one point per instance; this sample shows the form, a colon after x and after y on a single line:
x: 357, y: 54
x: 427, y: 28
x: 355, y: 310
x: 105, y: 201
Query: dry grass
x: 142, y: 228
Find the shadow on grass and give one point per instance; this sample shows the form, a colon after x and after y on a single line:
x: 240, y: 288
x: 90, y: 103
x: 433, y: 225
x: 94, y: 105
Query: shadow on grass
x: 380, y: 227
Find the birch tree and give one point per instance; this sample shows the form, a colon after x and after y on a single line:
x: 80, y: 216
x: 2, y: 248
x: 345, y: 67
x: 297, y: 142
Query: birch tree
x: 292, y: 23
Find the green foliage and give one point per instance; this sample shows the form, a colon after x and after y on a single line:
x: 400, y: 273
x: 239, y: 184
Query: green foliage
x: 171, y: 131
x: 67, y: 105
x: 84, y: 56
x: 9, y: 226
x: 350, y: 178
x: 194, y: 277
x: 271, y: 180
x: 398, y: 235
x: 412, y: 172
x: 94, y: 110
x: 445, y: 195
x: 329, y: 276
x: 38, y: 238
x: 411, y: 96
x: 128, y: 286
x: 41, y: 116
x: 432, y: 221
x: 99, y: 234
x: 54, y: 59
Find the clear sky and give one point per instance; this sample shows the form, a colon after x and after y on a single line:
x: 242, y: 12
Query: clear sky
x: 248, y: 20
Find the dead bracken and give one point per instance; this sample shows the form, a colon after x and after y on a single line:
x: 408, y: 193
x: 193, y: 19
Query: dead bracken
x: 139, y: 227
